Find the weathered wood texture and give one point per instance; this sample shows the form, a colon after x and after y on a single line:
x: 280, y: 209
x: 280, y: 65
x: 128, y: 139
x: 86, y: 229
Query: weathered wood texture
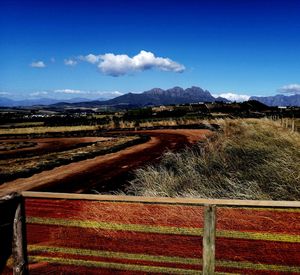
x: 19, y: 240
x: 161, y: 200
x: 13, y: 235
x: 209, y: 239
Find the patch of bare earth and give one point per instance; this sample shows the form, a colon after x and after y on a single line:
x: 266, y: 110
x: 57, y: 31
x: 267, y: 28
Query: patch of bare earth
x: 108, y: 172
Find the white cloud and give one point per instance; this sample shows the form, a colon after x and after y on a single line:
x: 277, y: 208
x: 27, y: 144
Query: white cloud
x: 4, y: 93
x: 92, y: 94
x: 290, y: 89
x: 91, y: 58
x: 122, y: 64
x: 234, y: 97
x: 108, y: 94
x: 39, y: 93
x: 70, y: 91
x: 70, y: 62
x: 38, y: 64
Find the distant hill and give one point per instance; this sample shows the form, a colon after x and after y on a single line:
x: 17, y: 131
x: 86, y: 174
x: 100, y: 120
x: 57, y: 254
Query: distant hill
x: 254, y: 105
x: 278, y: 100
x: 6, y: 102
x: 222, y: 99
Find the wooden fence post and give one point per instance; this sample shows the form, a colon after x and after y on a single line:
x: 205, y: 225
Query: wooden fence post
x: 293, y: 124
x: 13, y: 235
x: 19, y: 248
x: 209, y: 239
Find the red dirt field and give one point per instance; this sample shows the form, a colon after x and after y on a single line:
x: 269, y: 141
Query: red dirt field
x: 89, y: 237
x: 46, y: 145
x: 109, y: 172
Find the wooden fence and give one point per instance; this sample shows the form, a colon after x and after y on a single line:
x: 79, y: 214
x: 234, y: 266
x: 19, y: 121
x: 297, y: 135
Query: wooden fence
x: 288, y: 122
x: 78, y: 233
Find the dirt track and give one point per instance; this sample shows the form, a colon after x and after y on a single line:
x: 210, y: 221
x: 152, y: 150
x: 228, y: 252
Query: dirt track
x: 46, y: 145
x: 109, y: 172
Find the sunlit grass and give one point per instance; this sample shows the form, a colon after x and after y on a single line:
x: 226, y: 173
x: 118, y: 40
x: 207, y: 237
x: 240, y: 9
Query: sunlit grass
x: 247, y: 159
x: 42, y: 130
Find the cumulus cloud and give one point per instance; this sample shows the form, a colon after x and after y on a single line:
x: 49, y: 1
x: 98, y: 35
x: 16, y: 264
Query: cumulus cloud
x: 122, y: 64
x: 91, y: 58
x: 290, y: 89
x: 234, y: 97
x: 38, y: 64
x: 70, y: 62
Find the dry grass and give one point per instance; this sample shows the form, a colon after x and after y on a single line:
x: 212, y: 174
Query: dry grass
x: 248, y: 159
x: 42, y: 130
x: 21, y: 124
x: 171, y: 122
x: 122, y: 124
x: 7, y: 146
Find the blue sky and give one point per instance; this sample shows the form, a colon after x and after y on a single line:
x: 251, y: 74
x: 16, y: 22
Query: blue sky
x: 94, y: 48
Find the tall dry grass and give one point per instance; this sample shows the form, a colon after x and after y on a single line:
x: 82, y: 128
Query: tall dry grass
x: 247, y: 159
x: 111, y: 125
x: 44, y: 129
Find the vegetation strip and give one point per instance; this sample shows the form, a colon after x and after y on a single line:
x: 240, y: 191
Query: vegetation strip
x: 253, y: 266
x: 165, y: 229
x: 111, y: 254
x: 108, y: 265
x: 145, y: 257
x: 20, y: 168
x: 264, y: 236
x: 116, y: 226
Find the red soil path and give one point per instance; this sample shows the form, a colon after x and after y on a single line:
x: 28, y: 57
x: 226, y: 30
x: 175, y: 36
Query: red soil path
x: 46, y: 145
x: 108, y: 172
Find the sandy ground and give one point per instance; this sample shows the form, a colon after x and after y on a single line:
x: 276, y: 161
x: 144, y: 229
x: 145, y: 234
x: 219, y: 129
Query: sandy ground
x: 109, y: 172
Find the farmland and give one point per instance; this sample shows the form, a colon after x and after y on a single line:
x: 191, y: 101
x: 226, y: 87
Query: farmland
x: 50, y: 153
x: 221, y: 156
x: 101, y: 152
x: 91, y: 168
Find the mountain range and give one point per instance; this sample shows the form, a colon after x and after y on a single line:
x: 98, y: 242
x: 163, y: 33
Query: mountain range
x: 279, y: 100
x: 153, y: 97
x: 7, y: 102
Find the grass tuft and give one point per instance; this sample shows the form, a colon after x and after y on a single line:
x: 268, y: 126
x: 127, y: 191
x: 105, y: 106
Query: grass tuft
x: 247, y: 159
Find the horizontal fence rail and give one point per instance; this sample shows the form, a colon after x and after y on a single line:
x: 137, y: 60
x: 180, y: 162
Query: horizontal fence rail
x: 164, y: 200
x: 80, y: 233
